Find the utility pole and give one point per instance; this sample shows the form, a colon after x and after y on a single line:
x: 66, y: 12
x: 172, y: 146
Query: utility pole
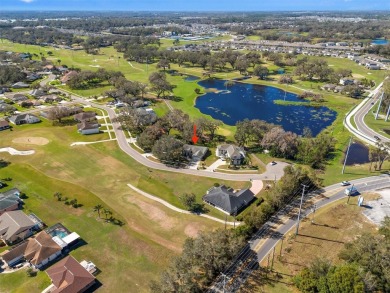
x: 387, y: 114
x: 273, y: 256
x: 379, y: 107
x: 346, y: 155
x: 300, y: 208
x: 281, y: 246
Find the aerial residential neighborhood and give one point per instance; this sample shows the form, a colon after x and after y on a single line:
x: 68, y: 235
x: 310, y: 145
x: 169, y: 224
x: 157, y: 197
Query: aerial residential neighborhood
x: 194, y: 146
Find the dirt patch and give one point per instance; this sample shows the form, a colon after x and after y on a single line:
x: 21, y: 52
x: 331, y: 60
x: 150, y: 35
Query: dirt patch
x: 155, y: 213
x: 356, y: 75
x: 31, y: 140
x: 192, y: 230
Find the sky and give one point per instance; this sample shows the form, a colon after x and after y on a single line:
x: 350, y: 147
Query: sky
x: 195, y: 5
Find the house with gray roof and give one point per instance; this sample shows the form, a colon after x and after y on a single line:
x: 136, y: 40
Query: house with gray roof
x: 88, y: 128
x: 9, y: 200
x: 194, y: 152
x: 234, y: 153
x: 24, y: 119
x: 15, y: 226
x: 227, y: 200
x: 20, y: 85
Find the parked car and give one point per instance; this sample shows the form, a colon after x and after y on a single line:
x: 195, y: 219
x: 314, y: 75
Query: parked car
x: 345, y: 183
x: 273, y: 163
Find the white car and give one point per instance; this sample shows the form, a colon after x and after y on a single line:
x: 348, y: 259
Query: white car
x: 345, y: 183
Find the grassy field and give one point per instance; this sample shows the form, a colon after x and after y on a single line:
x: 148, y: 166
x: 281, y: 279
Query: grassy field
x: 379, y: 125
x: 334, y: 225
x: 98, y: 174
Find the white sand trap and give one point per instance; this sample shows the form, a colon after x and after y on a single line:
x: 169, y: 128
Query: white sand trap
x: 379, y: 208
x: 94, y: 65
x: 31, y: 140
x: 14, y: 152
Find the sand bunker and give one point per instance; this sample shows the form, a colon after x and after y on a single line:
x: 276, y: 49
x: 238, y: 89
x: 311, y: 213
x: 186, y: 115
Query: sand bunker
x: 31, y: 140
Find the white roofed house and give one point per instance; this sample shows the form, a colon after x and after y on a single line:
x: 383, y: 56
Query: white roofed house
x: 24, y: 119
x: 88, y: 128
x: 234, y: 153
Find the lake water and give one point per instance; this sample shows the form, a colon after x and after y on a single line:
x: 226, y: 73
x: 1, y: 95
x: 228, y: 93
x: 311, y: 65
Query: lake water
x: 250, y: 101
x: 191, y: 78
x: 379, y: 42
x: 358, y: 154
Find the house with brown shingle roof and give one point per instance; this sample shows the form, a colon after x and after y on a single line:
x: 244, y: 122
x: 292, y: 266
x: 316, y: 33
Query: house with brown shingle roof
x: 38, y: 250
x: 69, y: 276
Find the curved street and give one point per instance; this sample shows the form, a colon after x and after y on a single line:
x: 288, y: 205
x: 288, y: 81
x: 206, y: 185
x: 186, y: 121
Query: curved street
x: 362, y: 131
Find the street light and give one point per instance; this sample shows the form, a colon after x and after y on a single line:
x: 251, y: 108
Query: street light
x: 300, y: 207
x: 346, y: 155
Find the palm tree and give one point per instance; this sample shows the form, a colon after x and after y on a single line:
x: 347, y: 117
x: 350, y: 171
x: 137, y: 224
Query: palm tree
x: 97, y: 209
x: 107, y: 212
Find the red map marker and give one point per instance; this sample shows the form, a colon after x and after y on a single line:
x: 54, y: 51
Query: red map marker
x: 194, y: 137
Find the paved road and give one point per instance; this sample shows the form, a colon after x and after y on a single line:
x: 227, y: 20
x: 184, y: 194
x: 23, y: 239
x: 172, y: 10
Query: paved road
x: 363, y: 111
x: 362, y: 131
x: 263, y: 242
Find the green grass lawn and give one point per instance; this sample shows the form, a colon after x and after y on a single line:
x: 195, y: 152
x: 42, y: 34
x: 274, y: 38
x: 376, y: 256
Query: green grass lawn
x: 134, y: 253
x: 379, y: 125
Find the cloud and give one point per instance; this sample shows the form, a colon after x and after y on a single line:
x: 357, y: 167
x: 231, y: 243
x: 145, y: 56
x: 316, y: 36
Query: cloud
x: 27, y: 1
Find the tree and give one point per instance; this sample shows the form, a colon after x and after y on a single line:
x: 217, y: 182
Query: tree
x: 58, y: 195
x: 281, y: 143
x: 261, y: 72
x: 97, y: 208
x: 107, y: 213
x: 286, y: 79
x: 57, y: 113
x: 202, y: 259
x: 163, y: 63
x: 385, y: 228
x: 241, y: 65
x: 149, y: 136
x: 159, y: 83
x: 168, y: 149
x: 209, y: 125
x: 380, y: 153
x: 188, y: 200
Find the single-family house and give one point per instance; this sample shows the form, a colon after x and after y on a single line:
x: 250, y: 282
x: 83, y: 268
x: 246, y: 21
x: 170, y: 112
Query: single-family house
x: 20, y: 85
x: 234, y: 153
x: 346, y: 81
x: 38, y: 251
x: 24, y: 119
x: 147, y: 116
x: 67, y: 76
x: 227, y: 200
x: 4, y: 125
x: 88, y: 128
x: 328, y: 87
x: 373, y: 67
x: 15, y: 226
x: 339, y: 89
x: 9, y: 200
x: 194, y: 152
x: 18, y: 98
x: 69, y: 276
x: 32, y: 77
x: 36, y: 93
x: 85, y: 116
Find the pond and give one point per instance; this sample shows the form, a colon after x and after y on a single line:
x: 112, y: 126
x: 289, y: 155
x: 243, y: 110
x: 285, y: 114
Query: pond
x: 358, y: 154
x: 235, y: 103
x: 379, y: 42
x: 191, y: 78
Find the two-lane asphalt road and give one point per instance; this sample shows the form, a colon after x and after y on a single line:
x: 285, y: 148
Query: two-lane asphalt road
x: 263, y: 242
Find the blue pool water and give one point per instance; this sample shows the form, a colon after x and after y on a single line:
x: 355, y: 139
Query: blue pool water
x: 380, y: 42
